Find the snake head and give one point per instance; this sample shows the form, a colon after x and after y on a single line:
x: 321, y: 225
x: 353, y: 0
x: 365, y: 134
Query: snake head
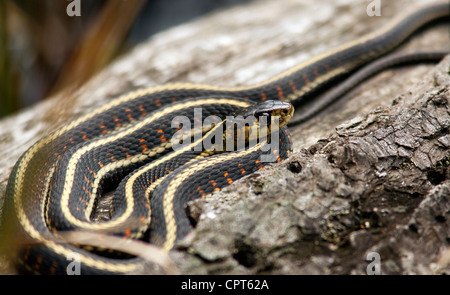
x: 247, y: 126
x: 265, y: 111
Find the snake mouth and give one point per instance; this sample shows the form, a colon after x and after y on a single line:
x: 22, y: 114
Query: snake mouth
x: 286, y: 115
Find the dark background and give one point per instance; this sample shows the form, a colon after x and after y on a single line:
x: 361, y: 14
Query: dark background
x: 43, y: 50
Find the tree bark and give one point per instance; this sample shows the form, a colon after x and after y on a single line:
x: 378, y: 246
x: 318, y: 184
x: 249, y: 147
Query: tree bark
x: 368, y: 175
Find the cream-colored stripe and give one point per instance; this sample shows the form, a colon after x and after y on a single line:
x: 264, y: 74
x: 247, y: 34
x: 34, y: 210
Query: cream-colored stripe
x: 58, y: 248
x: 113, y: 166
x: 169, y: 216
x: 71, y: 168
x: 23, y: 165
x: 319, y: 80
x: 65, y: 252
x: 130, y: 182
x: 187, y: 86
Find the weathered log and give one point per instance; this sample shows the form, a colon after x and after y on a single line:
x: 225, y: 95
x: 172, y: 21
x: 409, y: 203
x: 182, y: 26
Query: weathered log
x: 370, y: 175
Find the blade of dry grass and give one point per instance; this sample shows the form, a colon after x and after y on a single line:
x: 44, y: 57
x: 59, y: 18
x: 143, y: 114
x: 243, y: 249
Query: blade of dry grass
x: 143, y: 250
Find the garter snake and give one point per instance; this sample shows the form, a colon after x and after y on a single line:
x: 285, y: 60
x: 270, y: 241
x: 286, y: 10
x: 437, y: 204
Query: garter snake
x: 55, y: 184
